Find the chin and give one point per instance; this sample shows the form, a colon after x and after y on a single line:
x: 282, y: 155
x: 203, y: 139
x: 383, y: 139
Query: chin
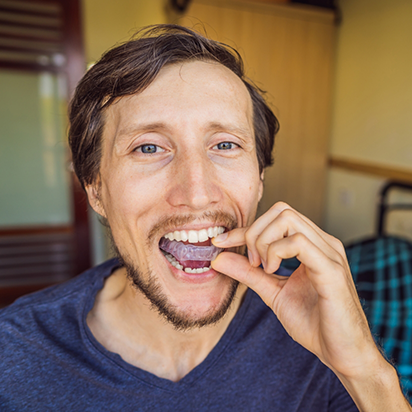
x: 187, y: 304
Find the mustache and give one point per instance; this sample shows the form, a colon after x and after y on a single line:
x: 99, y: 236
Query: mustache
x: 168, y: 223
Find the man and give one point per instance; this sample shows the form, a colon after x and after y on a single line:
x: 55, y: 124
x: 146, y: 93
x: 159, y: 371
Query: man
x: 170, y: 141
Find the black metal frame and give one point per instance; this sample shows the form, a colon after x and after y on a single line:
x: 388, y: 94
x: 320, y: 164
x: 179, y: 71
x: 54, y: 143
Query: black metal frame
x: 384, y: 207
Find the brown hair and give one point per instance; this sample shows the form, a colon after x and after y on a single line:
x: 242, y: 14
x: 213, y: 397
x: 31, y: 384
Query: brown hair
x: 130, y: 68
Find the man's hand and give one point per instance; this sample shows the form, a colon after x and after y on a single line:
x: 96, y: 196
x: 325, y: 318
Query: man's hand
x: 318, y: 304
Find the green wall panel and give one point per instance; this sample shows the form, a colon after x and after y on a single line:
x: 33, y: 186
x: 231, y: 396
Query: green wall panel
x: 34, y: 187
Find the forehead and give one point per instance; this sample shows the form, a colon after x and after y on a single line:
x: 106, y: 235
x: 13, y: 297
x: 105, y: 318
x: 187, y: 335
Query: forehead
x: 200, y: 92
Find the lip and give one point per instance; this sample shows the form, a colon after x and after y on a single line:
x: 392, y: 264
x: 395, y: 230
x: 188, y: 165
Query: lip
x: 193, y: 278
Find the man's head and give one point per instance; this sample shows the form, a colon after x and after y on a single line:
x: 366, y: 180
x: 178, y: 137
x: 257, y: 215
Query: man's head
x: 168, y: 136
x: 129, y: 68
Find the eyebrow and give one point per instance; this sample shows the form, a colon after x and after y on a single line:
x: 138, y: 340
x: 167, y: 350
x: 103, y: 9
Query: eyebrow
x: 242, y: 132
x: 238, y: 130
x: 141, y: 128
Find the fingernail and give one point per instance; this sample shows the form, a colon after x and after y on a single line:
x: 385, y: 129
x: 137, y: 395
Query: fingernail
x: 221, y: 238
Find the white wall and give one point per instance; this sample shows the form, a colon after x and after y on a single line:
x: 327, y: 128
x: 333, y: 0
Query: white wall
x: 372, y: 118
x: 351, y: 199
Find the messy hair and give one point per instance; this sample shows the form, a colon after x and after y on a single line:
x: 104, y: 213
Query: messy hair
x: 130, y: 68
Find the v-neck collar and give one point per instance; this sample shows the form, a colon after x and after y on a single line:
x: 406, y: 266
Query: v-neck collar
x: 146, y: 377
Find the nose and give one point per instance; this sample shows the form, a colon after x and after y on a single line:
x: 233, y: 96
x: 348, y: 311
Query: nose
x: 194, y: 182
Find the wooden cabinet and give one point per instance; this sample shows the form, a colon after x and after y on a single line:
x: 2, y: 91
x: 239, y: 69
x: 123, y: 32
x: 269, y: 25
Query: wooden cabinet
x: 288, y: 51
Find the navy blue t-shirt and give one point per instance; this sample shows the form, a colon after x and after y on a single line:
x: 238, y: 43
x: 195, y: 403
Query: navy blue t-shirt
x: 50, y: 361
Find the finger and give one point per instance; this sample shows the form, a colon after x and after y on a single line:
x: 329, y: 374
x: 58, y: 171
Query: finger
x: 263, y: 222
x: 335, y: 243
x: 328, y: 277
x: 288, y: 223
x: 239, y: 268
x: 254, y: 231
x: 233, y: 238
x: 272, y: 226
x: 280, y: 207
x: 237, y: 237
x: 279, y: 221
x: 242, y: 236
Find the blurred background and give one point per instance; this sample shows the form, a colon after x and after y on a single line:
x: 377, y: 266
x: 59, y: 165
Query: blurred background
x: 337, y: 73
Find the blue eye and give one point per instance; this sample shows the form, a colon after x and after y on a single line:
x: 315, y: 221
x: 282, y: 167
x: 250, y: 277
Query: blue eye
x: 226, y: 146
x: 149, y: 148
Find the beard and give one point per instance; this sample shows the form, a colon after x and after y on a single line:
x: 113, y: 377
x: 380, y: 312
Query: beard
x: 146, y: 282
x: 181, y: 320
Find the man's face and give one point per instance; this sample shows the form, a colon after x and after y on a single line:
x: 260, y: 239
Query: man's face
x: 179, y: 156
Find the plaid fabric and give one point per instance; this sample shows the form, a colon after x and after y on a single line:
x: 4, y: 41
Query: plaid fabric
x: 382, y: 271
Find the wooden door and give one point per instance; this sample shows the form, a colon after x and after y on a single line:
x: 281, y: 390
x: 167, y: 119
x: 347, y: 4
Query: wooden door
x: 44, y: 234
x: 288, y: 51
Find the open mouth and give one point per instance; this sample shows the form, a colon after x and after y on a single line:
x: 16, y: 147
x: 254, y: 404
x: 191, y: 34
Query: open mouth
x: 191, y: 250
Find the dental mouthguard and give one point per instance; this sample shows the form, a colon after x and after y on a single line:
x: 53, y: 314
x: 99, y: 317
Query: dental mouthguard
x: 189, y: 252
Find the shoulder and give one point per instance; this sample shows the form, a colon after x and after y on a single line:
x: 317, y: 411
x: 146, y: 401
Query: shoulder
x: 50, y: 306
x: 61, y: 290
x: 42, y: 335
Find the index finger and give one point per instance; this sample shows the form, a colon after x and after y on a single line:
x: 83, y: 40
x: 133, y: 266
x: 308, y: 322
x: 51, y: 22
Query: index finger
x: 237, y: 237
x: 233, y: 238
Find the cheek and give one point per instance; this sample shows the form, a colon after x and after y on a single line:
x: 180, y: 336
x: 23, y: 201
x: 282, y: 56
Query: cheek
x: 243, y: 185
x: 130, y: 204
x: 128, y: 196
x: 244, y: 174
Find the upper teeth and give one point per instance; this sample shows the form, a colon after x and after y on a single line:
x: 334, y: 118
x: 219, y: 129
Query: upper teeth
x: 194, y: 236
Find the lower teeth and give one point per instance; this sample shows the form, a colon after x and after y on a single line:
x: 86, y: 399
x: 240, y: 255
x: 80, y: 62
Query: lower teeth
x: 172, y: 260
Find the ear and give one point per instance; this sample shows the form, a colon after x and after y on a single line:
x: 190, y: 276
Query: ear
x: 93, y: 194
x: 262, y: 176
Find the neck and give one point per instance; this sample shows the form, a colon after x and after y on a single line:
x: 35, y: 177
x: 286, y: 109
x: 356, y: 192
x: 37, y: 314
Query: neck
x: 124, y: 322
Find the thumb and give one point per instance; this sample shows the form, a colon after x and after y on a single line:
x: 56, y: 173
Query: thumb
x: 236, y: 266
